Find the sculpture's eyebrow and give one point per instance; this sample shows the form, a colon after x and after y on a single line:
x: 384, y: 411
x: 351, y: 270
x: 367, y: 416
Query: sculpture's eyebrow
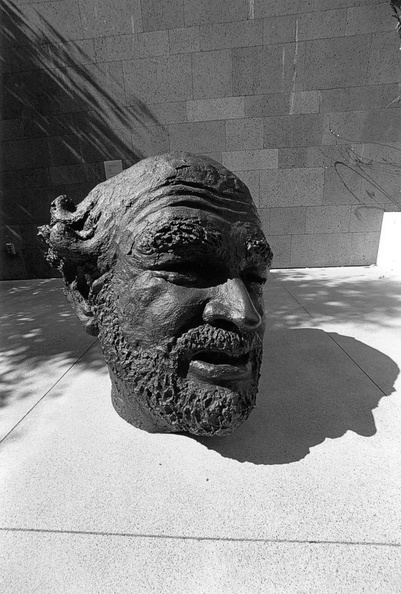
x: 178, y: 236
x: 259, y: 251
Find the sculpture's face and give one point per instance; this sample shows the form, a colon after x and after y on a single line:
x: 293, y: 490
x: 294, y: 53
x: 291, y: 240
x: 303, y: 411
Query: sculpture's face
x: 181, y: 322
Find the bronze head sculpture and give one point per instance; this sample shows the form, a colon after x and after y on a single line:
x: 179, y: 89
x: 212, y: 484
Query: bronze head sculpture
x: 165, y: 262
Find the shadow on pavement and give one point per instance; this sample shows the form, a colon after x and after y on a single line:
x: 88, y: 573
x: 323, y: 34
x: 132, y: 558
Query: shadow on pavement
x: 310, y: 390
x: 371, y: 296
x: 41, y: 338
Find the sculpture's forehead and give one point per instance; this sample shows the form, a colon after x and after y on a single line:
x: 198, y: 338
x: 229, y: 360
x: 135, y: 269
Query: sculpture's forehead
x: 156, y: 184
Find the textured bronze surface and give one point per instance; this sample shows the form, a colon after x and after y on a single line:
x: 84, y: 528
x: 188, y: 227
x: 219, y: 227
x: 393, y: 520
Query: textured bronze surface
x: 165, y: 262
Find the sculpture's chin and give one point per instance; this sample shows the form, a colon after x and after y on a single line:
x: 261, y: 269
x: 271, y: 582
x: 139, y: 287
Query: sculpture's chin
x: 196, y: 408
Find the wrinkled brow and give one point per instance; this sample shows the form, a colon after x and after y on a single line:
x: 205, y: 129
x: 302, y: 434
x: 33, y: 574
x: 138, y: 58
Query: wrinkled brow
x: 178, y: 235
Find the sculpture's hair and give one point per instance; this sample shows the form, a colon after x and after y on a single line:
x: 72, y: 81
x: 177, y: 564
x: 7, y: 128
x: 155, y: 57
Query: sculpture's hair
x: 81, y: 239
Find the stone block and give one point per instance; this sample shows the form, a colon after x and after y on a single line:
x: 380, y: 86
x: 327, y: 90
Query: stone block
x: 102, y: 84
x: 369, y: 19
x: 364, y: 248
x: 281, y: 246
x: 267, y: 8
x: 336, y: 62
x: 264, y: 215
x: 328, y: 4
x: 366, y: 219
x: 150, y: 140
x: 251, y: 179
x: 158, y: 79
x: 279, y: 29
x: 27, y: 94
x: 101, y: 19
x: 229, y: 35
x: 21, y: 58
x: 293, y: 157
x: 360, y: 98
x: 291, y: 187
x: 198, y: 137
x: 215, y: 109
x: 322, y: 24
x: 170, y: 112
x: 325, y: 249
x: 162, y: 14
x: 136, y: 16
x: 244, y: 134
x: 384, y: 63
x: 328, y: 219
x: 382, y: 126
x: 272, y: 104
x: 71, y: 53
x: 17, y: 205
x: 11, y: 129
x: 64, y: 17
x: 250, y: 159
x: 25, y: 178
x: 212, y: 74
x: 201, y: 12
x: 184, y: 40
x: 22, y: 21
x: 292, y: 131
x: 341, y: 185
x: 106, y: 147
x: 154, y: 43
x: 343, y: 127
x: 68, y: 174
x: 26, y: 154
x: 115, y: 47
x: 287, y: 220
x: 64, y: 150
x: 325, y: 156
x: 380, y: 186
x: 305, y: 102
x: 264, y: 69
x: 361, y: 126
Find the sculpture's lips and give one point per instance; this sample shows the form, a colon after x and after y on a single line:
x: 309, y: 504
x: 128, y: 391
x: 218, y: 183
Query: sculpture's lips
x: 220, y: 365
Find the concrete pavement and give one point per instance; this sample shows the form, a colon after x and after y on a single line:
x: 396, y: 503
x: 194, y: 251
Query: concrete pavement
x: 304, y: 497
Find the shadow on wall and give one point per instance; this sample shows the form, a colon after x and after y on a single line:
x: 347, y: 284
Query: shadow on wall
x: 63, y: 115
x: 310, y: 390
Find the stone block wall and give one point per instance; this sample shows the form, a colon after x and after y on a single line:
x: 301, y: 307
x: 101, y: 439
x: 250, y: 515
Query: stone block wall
x: 300, y: 98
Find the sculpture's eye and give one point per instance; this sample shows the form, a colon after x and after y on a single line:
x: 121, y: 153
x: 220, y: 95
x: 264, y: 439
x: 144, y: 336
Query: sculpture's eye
x: 254, y: 281
x: 196, y: 273
x: 182, y: 272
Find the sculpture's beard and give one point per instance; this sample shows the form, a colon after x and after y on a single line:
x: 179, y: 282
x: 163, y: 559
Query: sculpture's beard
x: 157, y: 382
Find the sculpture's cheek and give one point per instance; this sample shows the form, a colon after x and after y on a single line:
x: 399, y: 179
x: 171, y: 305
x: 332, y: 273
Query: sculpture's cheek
x: 153, y: 310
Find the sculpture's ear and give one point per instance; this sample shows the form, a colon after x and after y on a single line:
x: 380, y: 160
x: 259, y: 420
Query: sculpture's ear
x: 82, y: 309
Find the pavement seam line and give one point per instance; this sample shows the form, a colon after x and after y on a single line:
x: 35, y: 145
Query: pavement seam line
x: 356, y: 363
x: 333, y: 339
x: 47, y: 392
x: 202, y: 538
x: 291, y: 295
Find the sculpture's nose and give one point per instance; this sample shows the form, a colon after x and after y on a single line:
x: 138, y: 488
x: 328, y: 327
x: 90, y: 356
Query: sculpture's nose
x: 232, y: 303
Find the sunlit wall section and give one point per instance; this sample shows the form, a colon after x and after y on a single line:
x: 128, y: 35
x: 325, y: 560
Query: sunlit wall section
x: 300, y: 98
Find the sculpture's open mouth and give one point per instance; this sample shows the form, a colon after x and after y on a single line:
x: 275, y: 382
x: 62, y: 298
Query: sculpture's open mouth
x: 219, y: 365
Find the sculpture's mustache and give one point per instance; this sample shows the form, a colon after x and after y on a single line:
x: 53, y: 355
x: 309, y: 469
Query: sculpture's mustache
x: 211, y: 338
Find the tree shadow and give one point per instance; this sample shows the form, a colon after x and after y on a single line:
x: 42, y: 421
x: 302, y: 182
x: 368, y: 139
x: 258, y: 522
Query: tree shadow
x: 374, y: 297
x: 39, y: 331
x: 310, y: 390
x: 64, y: 114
